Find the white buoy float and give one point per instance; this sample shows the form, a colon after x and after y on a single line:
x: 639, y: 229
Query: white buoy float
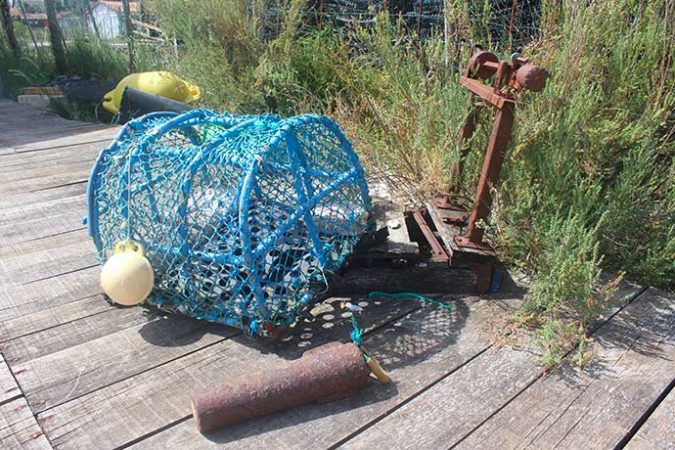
x: 127, y: 277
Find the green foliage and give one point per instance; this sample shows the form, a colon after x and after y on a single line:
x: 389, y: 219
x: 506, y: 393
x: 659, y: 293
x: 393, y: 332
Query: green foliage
x: 86, y: 56
x: 592, y: 172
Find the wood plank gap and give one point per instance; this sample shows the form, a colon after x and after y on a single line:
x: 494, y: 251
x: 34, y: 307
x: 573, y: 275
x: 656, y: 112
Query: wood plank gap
x: 58, y: 324
x: 498, y: 410
x: 70, y: 399
x: 408, y: 400
x: 72, y: 183
x: 8, y: 382
x: 641, y: 421
x: 10, y: 399
x: 59, y: 274
x: 19, y: 151
x: 61, y: 233
x: 152, y: 433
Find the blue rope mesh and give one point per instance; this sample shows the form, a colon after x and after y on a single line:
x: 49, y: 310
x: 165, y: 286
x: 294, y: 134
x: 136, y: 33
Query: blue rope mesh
x: 240, y: 216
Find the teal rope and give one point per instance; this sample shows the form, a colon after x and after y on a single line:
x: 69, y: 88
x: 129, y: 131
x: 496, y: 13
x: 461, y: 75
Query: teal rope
x: 412, y: 295
x: 357, y: 333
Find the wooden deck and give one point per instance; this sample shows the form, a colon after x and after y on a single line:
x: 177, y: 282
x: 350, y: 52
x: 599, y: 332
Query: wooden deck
x: 77, y: 373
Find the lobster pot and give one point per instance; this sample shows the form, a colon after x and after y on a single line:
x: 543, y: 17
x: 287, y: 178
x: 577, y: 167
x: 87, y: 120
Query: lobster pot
x: 241, y: 217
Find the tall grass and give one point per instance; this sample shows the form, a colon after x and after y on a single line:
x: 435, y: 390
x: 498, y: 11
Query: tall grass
x: 86, y: 56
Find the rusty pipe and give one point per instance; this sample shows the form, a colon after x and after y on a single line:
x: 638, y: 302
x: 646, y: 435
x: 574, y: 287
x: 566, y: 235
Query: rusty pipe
x: 328, y: 372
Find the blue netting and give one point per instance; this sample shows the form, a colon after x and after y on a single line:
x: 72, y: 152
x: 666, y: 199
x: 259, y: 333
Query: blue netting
x: 240, y: 216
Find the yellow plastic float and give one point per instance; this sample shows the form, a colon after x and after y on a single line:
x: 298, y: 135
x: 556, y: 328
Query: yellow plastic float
x: 165, y: 84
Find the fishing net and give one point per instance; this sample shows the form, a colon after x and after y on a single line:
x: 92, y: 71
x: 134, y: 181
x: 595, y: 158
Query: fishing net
x: 241, y: 217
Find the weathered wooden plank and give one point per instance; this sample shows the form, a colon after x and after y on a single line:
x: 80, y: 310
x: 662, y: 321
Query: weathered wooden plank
x: 82, y: 151
x: 445, y: 231
x: 19, y: 128
x: 18, y: 428
x: 93, y: 134
x: 52, y: 317
x: 58, y: 377
x: 12, y: 142
x: 436, y: 278
x: 29, y: 169
x: 596, y: 407
x: 23, y: 165
x: 18, y: 214
x: 25, y: 249
x: 45, y: 196
x: 31, y: 178
x: 389, y: 215
x: 66, y: 221
x: 9, y: 390
x: 438, y: 418
x: 29, y: 261
x: 658, y: 432
x: 71, y: 333
x: 132, y: 408
x: 20, y: 300
x: 48, y: 180
x: 24, y: 133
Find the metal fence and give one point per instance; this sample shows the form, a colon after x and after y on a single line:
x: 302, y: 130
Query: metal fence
x: 515, y: 21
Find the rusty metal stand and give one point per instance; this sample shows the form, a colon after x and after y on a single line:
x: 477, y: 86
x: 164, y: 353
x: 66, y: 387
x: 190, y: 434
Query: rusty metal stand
x: 510, y: 78
x: 449, y: 233
x: 494, y: 158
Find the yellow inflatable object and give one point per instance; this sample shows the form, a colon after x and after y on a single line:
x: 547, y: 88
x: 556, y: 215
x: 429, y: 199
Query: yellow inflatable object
x: 127, y: 276
x: 165, y: 84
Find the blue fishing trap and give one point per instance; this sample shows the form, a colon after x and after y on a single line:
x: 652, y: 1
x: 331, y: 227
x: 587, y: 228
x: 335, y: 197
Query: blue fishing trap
x: 241, y: 217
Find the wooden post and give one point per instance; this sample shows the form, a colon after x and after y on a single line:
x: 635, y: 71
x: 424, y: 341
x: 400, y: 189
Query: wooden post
x: 56, y: 37
x: 130, y: 35
x: 9, y: 27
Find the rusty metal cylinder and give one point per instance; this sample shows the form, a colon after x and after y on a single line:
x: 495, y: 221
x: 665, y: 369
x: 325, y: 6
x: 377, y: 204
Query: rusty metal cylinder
x: 531, y: 77
x: 328, y: 372
x: 483, y: 64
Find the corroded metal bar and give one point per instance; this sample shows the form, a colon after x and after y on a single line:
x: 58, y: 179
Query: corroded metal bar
x: 438, y: 253
x: 494, y: 158
x: 328, y: 372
